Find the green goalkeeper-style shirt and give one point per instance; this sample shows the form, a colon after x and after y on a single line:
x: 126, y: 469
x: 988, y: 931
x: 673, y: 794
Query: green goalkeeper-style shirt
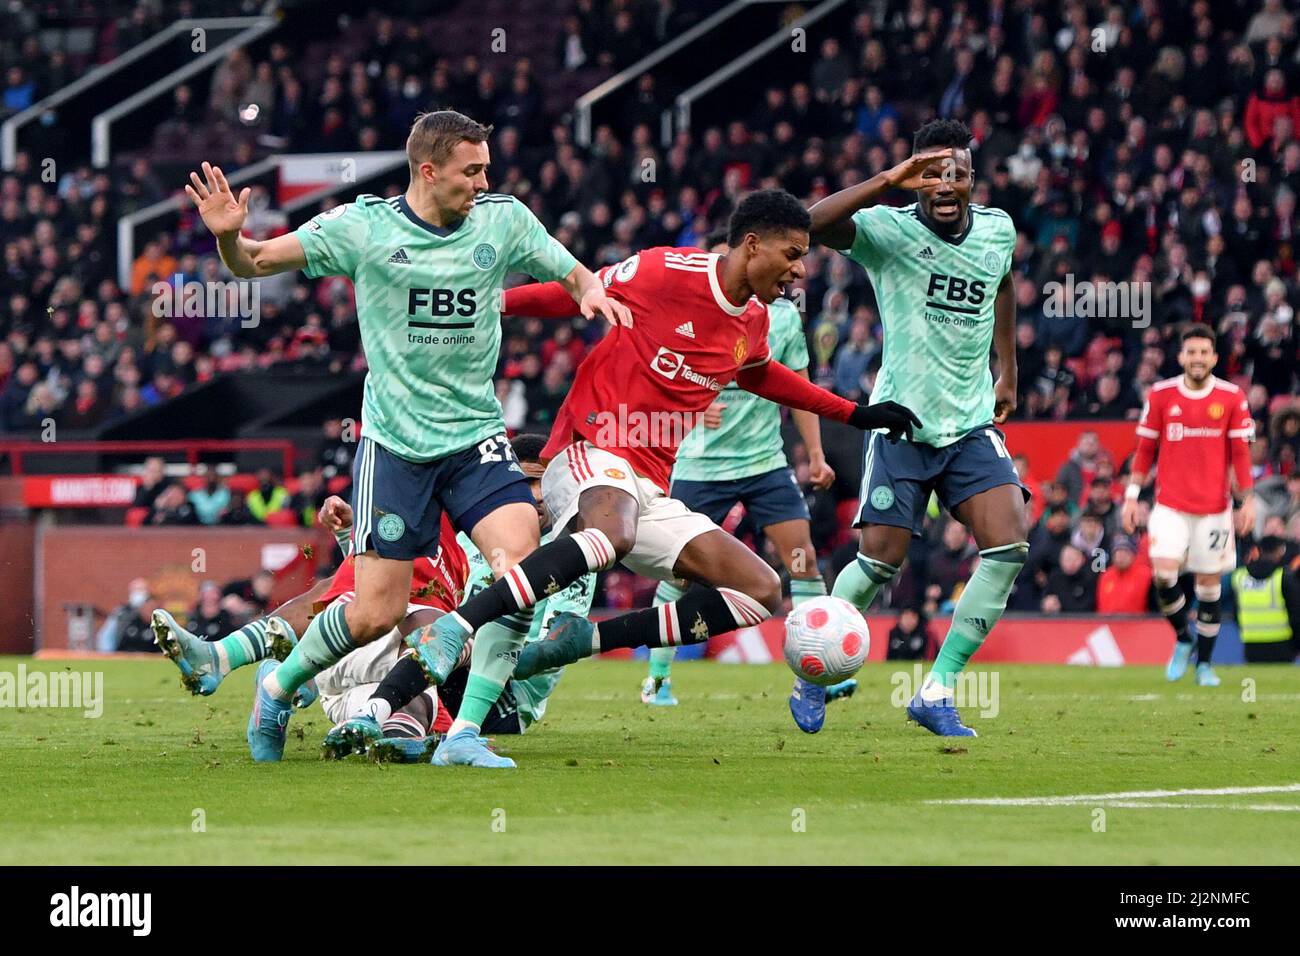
x: 936, y: 296
x: 429, y: 309
x: 749, y: 441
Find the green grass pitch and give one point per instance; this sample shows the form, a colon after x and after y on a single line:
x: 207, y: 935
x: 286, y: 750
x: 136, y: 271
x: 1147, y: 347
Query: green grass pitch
x: 723, y: 778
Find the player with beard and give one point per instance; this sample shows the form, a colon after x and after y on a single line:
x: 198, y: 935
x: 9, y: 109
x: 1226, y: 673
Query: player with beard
x: 1201, y: 428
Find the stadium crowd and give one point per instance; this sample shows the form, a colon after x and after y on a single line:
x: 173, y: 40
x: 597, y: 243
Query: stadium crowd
x: 1131, y: 142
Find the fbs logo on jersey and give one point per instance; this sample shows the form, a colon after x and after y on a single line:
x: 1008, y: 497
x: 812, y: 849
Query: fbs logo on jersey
x: 400, y: 257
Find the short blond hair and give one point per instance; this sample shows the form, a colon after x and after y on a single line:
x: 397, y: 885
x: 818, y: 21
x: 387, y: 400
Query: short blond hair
x: 434, y: 136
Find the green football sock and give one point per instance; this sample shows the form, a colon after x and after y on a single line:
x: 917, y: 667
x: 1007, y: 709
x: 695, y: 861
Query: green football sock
x: 661, y: 658
x: 805, y: 589
x: 244, y: 646
x: 980, y: 606
x: 861, y: 581
x: 496, y: 649
x: 326, y: 641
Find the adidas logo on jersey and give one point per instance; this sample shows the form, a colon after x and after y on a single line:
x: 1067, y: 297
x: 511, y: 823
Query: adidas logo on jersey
x: 686, y: 329
x: 926, y: 253
x: 400, y: 257
x: 1175, y: 410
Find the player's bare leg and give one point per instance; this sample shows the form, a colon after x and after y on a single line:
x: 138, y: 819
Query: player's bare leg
x: 204, y: 664
x: 1209, y: 614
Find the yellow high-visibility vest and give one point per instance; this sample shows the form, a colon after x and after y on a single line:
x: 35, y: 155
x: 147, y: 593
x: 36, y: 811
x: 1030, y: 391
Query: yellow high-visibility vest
x: 1261, y: 609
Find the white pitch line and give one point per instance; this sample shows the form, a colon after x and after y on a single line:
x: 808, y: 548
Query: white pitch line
x: 1257, y: 807
x: 1102, y: 797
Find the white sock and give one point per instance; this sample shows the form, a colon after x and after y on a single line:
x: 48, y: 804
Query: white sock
x: 377, y: 708
x: 932, y: 690
x: 458, y: 725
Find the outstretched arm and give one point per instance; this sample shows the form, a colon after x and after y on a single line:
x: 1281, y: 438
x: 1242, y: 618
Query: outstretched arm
x: 832, y: 217
x: 224, y: 215
x: 777, y: 383
x: 586, y: 290
x: 540, y: 300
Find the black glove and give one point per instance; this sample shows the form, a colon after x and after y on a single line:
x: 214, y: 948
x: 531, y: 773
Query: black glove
x: 898, y: 419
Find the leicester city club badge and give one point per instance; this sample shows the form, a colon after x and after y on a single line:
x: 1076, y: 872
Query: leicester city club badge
x: 485, y: 256
x: 391, y: 527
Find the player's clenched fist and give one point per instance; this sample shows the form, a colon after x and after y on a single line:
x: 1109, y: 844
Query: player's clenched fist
x: 335, y: 514
x: 898, y: 420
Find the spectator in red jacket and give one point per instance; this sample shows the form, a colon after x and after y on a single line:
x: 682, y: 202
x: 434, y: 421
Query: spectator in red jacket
x: 1125, y: 586
x: 1263, y: 109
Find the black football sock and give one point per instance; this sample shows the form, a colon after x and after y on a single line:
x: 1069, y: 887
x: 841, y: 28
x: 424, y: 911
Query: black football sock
x: 1209, y: 615
x: 551, y: 568
x: 452, y: 691
x: 402, y: 685
x: 699, y: 615
x: 1173, y: 605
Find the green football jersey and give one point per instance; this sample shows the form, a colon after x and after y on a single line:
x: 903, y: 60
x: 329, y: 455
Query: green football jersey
x: 936, y: 305
x: 748, y: 442
x: 429, y: 308
x: 532, y: 694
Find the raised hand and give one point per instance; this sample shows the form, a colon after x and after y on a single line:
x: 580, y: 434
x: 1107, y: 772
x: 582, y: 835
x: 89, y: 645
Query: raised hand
x: 222, y: 213
x: 910, y: 173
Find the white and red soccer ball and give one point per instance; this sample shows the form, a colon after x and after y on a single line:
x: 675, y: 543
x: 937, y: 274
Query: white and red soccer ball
x: 826, y: 640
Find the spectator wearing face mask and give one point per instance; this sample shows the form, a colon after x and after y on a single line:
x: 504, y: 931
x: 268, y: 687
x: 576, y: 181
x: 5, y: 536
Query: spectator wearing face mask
x: 128, y: 626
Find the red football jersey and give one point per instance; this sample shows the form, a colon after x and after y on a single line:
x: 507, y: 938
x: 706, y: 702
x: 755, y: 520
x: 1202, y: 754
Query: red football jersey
x: 1198, y: 436
x: 435, y: 582
x: 687, y: 341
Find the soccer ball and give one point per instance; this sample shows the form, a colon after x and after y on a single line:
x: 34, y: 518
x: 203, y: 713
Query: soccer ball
x: 826, y: 640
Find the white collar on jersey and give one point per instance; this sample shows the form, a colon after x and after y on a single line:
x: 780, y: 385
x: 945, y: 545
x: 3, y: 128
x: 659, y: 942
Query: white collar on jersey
x: 719, y: 296
x: 1196, y: 393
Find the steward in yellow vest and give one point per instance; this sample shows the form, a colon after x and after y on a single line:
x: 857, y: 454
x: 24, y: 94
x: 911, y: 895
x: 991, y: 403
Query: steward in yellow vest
x: 1268, y: 605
